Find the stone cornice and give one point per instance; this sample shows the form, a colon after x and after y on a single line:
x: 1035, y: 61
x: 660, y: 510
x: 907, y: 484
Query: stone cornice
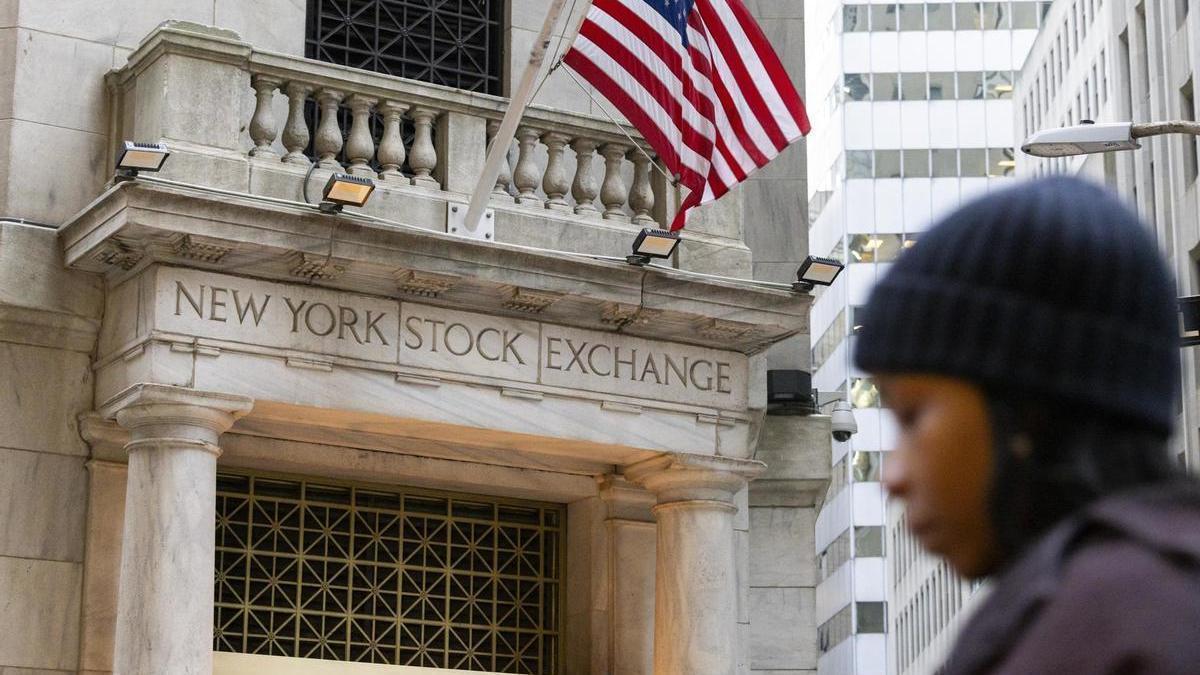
x: 265, y: 238
x: 683, y: 477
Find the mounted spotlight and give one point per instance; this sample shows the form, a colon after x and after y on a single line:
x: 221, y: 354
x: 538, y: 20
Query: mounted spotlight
x: 816, y: 271
x: 652, y: 243
x: 345, y: 190
x: 137, y: 157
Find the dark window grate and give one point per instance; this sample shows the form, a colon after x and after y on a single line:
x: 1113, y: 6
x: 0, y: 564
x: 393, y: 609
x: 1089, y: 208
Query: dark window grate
x: 457, y: 43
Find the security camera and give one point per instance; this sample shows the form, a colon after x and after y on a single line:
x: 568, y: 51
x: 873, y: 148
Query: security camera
x: 1082, y: 139
x: 844, y: 425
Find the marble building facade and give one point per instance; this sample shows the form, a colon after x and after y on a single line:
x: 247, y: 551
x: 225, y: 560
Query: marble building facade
x: 243, y: 435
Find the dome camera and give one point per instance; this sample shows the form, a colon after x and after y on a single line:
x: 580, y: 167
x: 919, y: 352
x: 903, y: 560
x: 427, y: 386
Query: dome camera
x: 844, y: 425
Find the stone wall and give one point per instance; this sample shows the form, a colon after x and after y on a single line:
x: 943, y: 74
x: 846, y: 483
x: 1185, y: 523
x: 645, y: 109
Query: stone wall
x: 48, y: 319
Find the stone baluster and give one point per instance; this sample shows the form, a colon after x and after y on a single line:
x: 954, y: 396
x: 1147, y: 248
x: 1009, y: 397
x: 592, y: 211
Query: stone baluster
x: 504, y: 179
x: 391, y: 146
x: 165, y: 595
x: 423, y: 158
x: 555, y: 182
x: 584, y: 188
x: 641, y: 198
x: 328, y: 142
x: 695, y: 571
x: 295, y: 130
x: 360, y: 147
x: 526, y: 177
x: 263, y: 128
x: 614, y: 192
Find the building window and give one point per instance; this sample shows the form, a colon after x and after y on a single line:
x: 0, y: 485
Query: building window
x: 916, y: 163
x: 999, y: 84
x: 970, y: 85
x: 940, y: 16
x: 874, y: 248
x: 1024, y: 16
x: 1187, y: 110
x: 871, y: 617
x: 883, y: 18
x: 886, y: 86
x: 313, y: 569
x: 831, y: 633
x: 865, y: 466
x: 912, y: 17
x: 887, y: 164
x: 858, y: 164
x: 854, y: 19
x: 914, y: 86
x: 863, y: 392
x: 457, y: 43
x: 941, y: 86
x: 1001, y: 162
x: 857, y: 86
x: 967, y: 16
x: 995, y: 16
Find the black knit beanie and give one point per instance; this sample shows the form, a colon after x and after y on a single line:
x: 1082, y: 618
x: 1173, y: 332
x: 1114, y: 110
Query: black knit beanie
x: 1052, y: 288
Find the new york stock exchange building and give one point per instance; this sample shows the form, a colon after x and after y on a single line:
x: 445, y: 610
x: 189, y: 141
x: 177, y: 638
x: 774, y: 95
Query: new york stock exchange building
x: 243, y: 434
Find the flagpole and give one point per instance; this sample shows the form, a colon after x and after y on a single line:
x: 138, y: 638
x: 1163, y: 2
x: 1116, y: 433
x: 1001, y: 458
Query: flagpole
x: 518, y: 102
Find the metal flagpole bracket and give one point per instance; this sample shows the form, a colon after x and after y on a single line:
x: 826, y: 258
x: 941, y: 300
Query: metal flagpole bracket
x: 456, y: 223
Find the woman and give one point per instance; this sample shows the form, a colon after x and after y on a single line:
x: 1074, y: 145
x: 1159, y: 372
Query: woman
x: 1028, y: 347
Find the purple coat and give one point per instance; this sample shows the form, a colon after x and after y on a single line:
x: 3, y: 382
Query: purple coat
x: 1114, y: 589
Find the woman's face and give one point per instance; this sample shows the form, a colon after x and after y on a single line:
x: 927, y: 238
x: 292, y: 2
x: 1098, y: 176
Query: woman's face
x: 942, y: 467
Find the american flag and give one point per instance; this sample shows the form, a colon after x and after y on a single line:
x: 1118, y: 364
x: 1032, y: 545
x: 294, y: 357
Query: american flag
x: 701, y: 83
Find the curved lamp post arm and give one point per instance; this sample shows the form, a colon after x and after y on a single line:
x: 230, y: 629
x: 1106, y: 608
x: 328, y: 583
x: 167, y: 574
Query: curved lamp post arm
x: 1161, y: 128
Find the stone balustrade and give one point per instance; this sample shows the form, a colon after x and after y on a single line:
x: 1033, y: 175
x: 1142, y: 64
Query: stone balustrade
x: 402, y: 132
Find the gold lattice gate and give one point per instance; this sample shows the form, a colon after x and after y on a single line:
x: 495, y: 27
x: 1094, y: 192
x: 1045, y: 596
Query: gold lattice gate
x: 317, y: 569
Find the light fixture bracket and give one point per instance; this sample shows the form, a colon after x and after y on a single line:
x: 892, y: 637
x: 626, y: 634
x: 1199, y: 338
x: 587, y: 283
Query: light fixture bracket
x: 456, y: 223
x: 330, y: 208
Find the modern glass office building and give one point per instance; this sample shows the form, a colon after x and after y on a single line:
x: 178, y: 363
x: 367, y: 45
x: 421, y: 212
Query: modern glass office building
x: 912, y: 113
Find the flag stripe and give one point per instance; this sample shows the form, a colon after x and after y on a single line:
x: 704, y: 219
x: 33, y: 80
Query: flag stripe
x: 699, y: 80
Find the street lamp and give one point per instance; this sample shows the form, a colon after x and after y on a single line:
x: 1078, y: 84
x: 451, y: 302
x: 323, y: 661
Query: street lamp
x: 1088, y: 138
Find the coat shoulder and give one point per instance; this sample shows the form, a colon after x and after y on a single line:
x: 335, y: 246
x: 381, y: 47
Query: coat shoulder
x: 1119, y: 607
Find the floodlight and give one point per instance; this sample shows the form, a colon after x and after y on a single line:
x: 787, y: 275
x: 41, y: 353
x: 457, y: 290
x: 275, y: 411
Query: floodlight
x: 345, y: 190
x: 1189, y: 321
x: 137, y: 157
x: 816, y: 271
x: 1083, y: 139
x: 652, y: 243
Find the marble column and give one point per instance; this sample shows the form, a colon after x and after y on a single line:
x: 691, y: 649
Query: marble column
x: 695, y: 595
x: 165, y: 596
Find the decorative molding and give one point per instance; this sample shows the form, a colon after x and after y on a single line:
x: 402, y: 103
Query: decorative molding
x: 724, y: 331
x: 316, y: 267
x: 193, y: 248
x: 118, y: 254
x: 618, y: 315
x: 424, y: 284
x: 529, y: 301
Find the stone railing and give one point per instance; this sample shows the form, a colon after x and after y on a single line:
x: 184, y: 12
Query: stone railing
x: 290, y: 112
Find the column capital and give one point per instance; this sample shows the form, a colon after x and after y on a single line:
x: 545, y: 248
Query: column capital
x: 151, y: 411
x: 684, y: 477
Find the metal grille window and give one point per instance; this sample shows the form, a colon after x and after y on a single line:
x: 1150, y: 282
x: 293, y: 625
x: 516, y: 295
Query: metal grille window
x: 457, y: 43
x: 403, y: 577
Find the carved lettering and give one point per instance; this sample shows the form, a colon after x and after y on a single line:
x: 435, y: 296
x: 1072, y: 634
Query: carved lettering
x: 251, y: 306
x: 672, y: 367
x: 373, y: 327
x: 214, y: 304
x: 576, y: 356
x: 467, y: 347
x: 705, y: 384
x: 650, y: 367
x: 308, y: 319
x: 723, y: 377
x: 592, y: 362
x: 618, y: 362
x: 433, y: 332
x: 181, y: 291
x: 296, y: 309
x: 479, y: 344
x: 551, y: 352
x: 347, y: 320
x: 413, y: 325
x: 510, y: 346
